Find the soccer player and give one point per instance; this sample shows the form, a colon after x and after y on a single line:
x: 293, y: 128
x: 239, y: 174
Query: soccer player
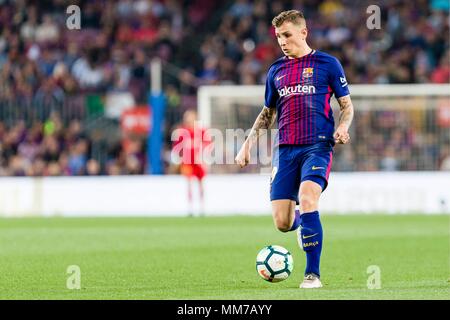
x: 298, y: 90
x: 189, y: 143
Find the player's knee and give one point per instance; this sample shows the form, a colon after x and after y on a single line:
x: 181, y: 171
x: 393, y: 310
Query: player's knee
x: 282, y: 223
x: 283, y: 227
x: 308, y: 202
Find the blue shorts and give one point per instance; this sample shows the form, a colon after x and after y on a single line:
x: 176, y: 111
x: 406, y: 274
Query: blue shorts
x: 292, y: 164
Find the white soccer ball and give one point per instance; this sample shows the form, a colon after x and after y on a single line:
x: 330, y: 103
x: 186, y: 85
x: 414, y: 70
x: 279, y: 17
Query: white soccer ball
x: 274, y: 263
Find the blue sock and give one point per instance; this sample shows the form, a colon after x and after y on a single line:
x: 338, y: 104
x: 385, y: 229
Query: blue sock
x: 297, y: 221
x: 312, y: 236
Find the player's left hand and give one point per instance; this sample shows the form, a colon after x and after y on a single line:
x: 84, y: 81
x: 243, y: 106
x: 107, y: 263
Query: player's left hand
x: 341, y: 135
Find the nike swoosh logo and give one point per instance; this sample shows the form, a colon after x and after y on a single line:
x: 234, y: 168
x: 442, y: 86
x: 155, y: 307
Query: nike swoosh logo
x: 281, y: 77
x: 317, y: 168
x: 312, y: 235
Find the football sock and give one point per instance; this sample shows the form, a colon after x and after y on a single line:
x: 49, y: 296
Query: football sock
x: 311, y: 237
x: 297, y: 220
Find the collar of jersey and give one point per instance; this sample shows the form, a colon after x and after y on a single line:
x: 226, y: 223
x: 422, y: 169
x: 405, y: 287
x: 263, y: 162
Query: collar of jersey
x: 309, y: 54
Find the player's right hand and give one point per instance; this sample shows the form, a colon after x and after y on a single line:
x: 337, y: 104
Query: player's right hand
x: 243, y: 156
x: 341, y: 135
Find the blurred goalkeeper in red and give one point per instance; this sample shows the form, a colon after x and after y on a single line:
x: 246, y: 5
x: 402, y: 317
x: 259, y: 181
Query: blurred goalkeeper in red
x: 190, y: 140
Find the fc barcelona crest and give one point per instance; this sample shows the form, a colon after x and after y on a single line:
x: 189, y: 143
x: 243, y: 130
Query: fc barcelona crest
x: 307, y: 72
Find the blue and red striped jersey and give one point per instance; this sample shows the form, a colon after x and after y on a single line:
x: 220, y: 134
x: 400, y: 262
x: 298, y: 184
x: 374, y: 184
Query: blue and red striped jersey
x: 301, y: 90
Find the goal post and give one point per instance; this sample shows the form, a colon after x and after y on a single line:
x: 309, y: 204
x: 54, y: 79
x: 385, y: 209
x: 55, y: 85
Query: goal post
x: 397, y: 127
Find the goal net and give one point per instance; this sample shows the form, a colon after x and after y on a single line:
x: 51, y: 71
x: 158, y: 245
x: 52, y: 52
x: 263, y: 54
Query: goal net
x: 396, y: 127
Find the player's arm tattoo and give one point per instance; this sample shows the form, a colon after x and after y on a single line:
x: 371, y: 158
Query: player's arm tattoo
x: 346, y: 114
x: 263, y: 122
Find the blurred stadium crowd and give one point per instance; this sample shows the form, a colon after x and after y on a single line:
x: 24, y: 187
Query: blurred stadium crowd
x: 53, y: 81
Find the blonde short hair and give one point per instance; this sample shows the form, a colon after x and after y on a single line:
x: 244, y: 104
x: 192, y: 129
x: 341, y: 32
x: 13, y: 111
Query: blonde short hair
x: 294, y: 16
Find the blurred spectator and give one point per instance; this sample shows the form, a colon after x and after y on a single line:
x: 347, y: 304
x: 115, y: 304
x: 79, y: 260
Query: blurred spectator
x: 89, y: 70
x: 93, y: 168
x: 442, y: 73
x: 47, y: 31
x: 445, y: 165
x: 389, y: 161
x: 77, y: 158
x: 241, y: 8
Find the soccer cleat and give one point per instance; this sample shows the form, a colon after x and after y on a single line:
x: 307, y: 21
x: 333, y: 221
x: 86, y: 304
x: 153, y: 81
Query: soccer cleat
x: 311, y: 281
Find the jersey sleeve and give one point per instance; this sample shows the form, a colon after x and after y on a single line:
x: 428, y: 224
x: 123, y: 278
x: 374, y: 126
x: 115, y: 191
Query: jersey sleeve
x: 338, y: 82
x: 271, y: 93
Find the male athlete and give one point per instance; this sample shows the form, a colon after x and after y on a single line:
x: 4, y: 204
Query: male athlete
x: 298, y: 91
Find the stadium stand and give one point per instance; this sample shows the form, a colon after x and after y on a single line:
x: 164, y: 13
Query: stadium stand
x: 59, y: 88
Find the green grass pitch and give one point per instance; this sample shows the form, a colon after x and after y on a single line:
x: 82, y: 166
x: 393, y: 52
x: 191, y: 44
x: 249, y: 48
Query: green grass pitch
x: 214, y: 258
